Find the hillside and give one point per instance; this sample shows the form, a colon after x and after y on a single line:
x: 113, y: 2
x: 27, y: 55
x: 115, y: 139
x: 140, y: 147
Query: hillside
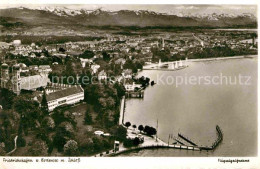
x: 21, y: 17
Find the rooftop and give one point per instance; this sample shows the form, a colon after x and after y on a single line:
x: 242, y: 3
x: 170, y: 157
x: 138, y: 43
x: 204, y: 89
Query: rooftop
x: 64, y: 93
x: 34, y: 82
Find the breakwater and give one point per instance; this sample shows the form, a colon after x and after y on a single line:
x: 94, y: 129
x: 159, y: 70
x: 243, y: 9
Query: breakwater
x: 154, y: 147
x: 160, y: 144
x: 216, y: 142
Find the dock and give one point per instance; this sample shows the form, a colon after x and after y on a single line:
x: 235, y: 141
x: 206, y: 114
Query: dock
x: 216, y: 142
x: 186, y: 139
x: 135, y: 94
x: 164, y: 69
x: 152, y: 143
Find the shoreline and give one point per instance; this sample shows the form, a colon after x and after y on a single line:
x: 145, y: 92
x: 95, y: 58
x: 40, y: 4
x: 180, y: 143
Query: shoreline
x: 221, y: 58
x: 162, y: 144
x: 147, y: 67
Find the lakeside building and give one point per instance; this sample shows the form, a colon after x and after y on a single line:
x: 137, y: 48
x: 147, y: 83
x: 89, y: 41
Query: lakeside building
x: 130, y: 85
x: 127, y: 73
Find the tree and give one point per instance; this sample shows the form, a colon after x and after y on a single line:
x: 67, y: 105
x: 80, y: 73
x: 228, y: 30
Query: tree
x: 62, y: 50
x: 97, y: 144
x: 59, y: 115
x: 28, y: 109
x: 119, y: 132
x: 106, y: 56
x: 21, y: 142
x: 127, y: 124
x: 44, y: 105
x: 6, y: 98
x: 128, y: 143
x: 88, y: 117
x: 38, y: 148
x: 150, y: 130
x: 146, y: 129
x: 136, y: 141
x: 87, y: 54
x: 110, y: 102
x: 120, y: 89
x: 64, y: 133
x: 86, y: 146
x: 71, y: 148
x: 140, y: 128
x: 134, y: 126
x: 2, y: 151
x: 48, y: 123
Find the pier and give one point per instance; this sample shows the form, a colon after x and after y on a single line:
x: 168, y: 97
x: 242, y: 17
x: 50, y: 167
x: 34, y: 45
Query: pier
x: 216, y: 142
x: 186, y: 139
x: 167, y: 66
x: 137, y: 94
x: 155, y: 143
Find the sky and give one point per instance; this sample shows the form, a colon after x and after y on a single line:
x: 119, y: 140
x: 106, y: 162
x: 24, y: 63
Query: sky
x: 163, y: 8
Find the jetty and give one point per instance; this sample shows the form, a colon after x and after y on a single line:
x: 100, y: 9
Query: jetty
x: 155, y: 143
x: 135, y: 94
x: 186, y: 139
x: 167, y: 66
x: 216, y: 142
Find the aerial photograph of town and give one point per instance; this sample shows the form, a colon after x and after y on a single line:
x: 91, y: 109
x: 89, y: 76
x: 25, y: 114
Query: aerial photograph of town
x: 128, y: 80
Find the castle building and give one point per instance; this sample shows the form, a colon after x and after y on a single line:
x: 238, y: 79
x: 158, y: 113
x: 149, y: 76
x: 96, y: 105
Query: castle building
x: 13, y: 81
x: 4, y: 75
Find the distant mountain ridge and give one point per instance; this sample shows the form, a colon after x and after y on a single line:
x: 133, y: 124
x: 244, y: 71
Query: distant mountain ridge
x: 141, y: 18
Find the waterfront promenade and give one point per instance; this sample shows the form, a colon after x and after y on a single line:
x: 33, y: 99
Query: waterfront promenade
x: 151, y: 142
x: 153, y: 65
x: 122, y: 111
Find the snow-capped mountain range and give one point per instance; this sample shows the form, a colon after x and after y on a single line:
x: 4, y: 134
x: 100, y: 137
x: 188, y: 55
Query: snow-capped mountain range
x: 141, y: 18
x: 64, y: 11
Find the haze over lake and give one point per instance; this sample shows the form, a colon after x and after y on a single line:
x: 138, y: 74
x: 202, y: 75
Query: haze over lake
x: 195, y: 110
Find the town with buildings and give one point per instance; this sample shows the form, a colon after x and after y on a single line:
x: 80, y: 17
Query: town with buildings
x: 65, y: 99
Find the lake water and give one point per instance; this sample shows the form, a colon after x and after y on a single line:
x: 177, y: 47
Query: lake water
x: 195, y: 110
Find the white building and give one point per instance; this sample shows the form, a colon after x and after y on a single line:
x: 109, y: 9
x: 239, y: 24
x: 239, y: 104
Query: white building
x: 84, y: 61
x: 17, y: 42
x: 102, y: 75
x: 66, y: 96
x: 130, y: 85
x: 94, y: 68
x: 127, y: 73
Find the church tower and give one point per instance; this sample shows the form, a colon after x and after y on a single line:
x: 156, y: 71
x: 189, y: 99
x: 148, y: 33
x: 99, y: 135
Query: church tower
x: 4, y: 75
x: 16, y: 80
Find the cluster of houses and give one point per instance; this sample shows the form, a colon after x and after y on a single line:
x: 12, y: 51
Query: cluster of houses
x: 117, y: 48
x: 119, y: 45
